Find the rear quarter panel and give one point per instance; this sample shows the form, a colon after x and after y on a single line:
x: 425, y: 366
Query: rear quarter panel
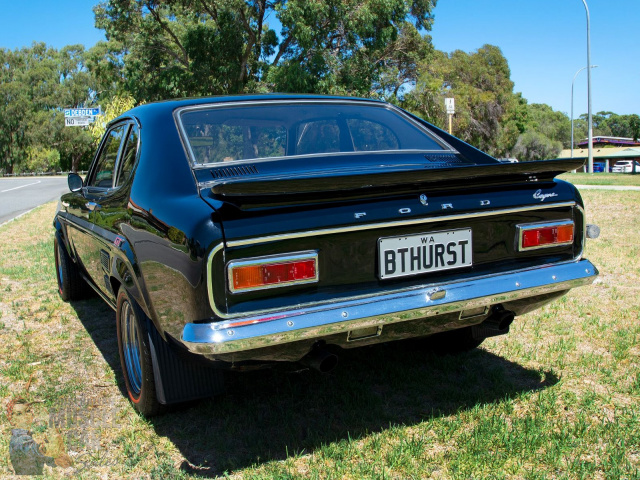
x: 171, y: 228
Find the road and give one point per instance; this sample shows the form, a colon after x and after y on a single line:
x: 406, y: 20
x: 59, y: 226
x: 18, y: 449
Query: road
x: 19, y: 195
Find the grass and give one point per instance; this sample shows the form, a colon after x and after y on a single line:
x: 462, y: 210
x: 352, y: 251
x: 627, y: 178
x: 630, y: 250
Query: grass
x: 620, y: 179
x: 556, y: 398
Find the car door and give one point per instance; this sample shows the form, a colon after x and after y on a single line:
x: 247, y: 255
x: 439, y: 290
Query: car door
x: 100, y: 208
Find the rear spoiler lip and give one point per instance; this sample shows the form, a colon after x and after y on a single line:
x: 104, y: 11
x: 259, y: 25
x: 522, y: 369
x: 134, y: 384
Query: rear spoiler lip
x: 335, y: 180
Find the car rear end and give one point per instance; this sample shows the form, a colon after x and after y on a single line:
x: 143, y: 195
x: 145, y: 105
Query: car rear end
x: 350, y: 222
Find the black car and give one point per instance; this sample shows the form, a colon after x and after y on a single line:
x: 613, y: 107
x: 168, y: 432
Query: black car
x: 235, y: 232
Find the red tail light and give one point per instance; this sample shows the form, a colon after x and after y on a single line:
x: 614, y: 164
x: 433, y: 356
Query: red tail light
x: 545, y: 235
x: 271, y: 272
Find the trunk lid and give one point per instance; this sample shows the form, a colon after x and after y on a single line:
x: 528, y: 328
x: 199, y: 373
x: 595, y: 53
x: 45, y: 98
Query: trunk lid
x: 351, y: 216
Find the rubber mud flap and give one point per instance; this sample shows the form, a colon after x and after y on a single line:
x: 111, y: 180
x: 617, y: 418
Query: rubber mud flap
x: 178, y: 380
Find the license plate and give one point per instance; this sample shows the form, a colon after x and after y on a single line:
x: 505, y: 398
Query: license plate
x: 424, y: 252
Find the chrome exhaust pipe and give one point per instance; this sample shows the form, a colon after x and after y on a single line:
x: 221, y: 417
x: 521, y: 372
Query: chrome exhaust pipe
x: 497, y: 324
x: 321, y: 360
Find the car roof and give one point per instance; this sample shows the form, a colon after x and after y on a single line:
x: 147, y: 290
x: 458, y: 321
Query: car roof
x: 166, y: 107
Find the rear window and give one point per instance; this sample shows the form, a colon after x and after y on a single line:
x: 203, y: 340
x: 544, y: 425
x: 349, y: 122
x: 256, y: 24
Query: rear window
x: 226, y: 134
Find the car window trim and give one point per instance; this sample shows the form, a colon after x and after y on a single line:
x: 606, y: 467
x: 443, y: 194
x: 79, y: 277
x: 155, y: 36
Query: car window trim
x: 118, y: 167
x: 105, y: 190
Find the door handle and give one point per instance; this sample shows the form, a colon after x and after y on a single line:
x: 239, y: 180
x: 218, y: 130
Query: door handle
x: 93, y: 206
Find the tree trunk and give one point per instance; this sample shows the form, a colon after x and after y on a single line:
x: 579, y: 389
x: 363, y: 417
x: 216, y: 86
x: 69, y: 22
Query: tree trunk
x: 75, y: 161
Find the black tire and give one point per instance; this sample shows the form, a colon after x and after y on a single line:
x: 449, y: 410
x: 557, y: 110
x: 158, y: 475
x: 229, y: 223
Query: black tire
x: 135, y: 355
x: 453, y: 342
x: 71, y: 285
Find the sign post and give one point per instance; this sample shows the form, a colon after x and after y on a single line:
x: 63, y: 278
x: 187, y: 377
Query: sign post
x: 449, y: 105
x: 76, y: 121
x: 80, y: 117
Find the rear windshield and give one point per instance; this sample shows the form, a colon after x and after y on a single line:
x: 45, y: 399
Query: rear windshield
x: 225, y: 134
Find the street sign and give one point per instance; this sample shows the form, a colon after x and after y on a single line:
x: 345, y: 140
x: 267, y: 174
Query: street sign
x: 449, y: 104
x: 82, y: 112
x: 77, y: 121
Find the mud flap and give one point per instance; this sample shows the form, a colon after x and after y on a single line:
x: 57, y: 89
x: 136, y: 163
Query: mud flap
x: 177, y: 379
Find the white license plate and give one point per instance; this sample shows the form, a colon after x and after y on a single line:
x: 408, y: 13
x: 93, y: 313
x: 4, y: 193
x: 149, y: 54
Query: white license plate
x: 424, y: 252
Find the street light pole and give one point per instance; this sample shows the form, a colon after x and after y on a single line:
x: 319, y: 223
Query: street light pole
x: 590, y: 164
x: 572, y: 82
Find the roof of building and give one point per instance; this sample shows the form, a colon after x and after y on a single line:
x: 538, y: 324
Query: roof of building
x: 616, y: 153
x: 606, y: 140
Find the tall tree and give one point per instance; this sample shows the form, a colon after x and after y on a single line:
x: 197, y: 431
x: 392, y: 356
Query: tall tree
x: 556, y: 126
x: 634, y: 127
x: 27, y: 85
x: 37, y: 82
x: 200, y: 47
x: 488, y: 114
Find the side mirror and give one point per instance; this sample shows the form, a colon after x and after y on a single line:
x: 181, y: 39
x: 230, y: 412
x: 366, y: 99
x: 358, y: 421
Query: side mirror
x: 75, y: 182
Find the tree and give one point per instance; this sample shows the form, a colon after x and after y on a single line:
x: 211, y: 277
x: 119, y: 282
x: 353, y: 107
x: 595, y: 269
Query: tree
x: 28, y: 84
x: 401, y: 62
x: 554, y: 125
x: 37, y: 83
x: 185, y: 47
x: 533, y: 145
x: 110, y: 111
x: 106, y: 64
x: 634, y: 126
x: 488, y: 115
x: 42, y: 159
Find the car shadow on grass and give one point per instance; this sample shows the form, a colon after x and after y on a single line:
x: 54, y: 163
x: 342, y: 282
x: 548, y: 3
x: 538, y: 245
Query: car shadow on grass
x: 271, y: 414
x: 268, y: 415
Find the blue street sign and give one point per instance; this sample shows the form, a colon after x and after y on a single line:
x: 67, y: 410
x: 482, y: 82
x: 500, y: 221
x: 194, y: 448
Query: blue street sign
x: 81, y: 112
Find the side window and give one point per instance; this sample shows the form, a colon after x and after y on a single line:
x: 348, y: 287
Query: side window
x: 129, y: 153
x: 104, y: 168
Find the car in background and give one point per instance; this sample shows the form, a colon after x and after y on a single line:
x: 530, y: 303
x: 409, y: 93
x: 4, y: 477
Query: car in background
x: 508, y: 160
x: 234, y: 233
x: 626, y: 166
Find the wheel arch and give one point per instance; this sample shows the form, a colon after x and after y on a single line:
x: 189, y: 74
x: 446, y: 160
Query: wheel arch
x: 125, y: 273
x: 62, y: 237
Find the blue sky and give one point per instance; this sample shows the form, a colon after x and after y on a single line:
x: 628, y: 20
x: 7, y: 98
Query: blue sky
x: 543, y: 40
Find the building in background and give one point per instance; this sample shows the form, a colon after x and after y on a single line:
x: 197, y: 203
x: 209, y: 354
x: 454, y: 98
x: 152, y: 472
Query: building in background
x: 606, y: 158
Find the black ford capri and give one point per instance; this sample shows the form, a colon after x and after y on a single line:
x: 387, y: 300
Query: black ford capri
x: 236, y: 232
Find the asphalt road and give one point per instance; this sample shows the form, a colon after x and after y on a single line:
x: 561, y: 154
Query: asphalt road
x: 19, y: 195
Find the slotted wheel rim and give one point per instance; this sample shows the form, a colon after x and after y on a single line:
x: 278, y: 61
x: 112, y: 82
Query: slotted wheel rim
x: 131, y: 348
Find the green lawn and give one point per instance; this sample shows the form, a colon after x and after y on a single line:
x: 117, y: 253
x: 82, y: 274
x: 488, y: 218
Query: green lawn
x: 556, y: 398
x: 623, y: 179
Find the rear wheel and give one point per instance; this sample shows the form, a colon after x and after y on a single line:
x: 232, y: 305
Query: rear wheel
x: 135, y: 355
x: 71, y: 285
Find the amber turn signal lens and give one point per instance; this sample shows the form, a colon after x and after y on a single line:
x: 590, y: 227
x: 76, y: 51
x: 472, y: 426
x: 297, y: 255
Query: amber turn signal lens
x: 549, y: 235
x: 265, y: 275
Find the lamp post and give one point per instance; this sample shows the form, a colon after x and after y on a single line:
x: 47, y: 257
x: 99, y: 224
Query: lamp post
x: 572, y: 82
x: 590, y: 164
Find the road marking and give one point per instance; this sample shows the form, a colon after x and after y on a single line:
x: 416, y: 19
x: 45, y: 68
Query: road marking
x: 22, y: 186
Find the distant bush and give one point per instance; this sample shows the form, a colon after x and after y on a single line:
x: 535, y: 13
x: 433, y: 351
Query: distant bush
x: 532, y: 145
x: 42, y: 159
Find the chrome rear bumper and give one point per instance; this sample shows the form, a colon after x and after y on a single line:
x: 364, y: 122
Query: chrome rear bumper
x: 303, y: 323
